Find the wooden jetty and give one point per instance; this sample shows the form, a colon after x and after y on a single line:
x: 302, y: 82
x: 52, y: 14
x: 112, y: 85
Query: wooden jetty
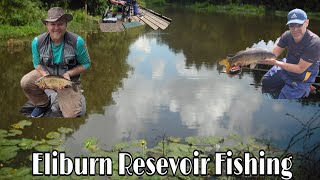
x: 147, y: 17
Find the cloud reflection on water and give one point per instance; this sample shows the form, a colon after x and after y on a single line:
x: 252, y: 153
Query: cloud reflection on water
x: 206, y: 102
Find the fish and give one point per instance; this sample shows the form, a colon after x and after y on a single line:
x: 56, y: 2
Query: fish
x: 249, y: 56
x: 56, y: 82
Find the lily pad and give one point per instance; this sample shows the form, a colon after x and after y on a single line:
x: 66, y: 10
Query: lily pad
x: 8, y: 152
x: 21, y: 124
x: 3, y: 133
x: 29, y: 143
x: 5, y: 170
x: 53, y: 135
x: 64, y: 130
x: 54, y: 142
x: 9, y: 142
x: 91, y: 144
x: 43, y: 148
x: 15, y: 131
x: 21, y: 172
x: 174, y: 139
x: 59, y: 148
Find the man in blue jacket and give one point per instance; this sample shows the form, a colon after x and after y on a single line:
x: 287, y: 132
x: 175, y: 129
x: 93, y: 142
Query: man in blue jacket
x: 294, y: 76
x: 56, y: 52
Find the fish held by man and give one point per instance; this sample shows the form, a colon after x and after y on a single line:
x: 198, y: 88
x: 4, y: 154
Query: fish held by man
x: 56, y: 82
x: 250, y: 56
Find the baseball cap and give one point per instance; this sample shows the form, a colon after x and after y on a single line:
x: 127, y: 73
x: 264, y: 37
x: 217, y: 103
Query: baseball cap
x: 297, y: 16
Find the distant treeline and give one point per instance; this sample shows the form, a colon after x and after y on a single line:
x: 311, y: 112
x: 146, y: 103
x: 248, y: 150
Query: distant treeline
x: 308, y: 5
x: 25, y: 12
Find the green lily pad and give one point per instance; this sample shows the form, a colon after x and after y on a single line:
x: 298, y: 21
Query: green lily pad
x: 8, y: 152
x: 64, y: 130
x: 22, y: 172
x: 5, y: 170
x: 53, y: 135
x: 21, y: 124
x: 9, y: 142
x: 43, y: 148
x: 15, y: 131
x: 91, y: 143
x: 174, y: 139
x: 3, y: 133
x: 29, y: 143
x: 54, y: 142
x: 59, y: 148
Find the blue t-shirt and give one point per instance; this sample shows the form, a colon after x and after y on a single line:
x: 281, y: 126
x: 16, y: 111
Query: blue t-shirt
x: 307, y: 49
x: 82, y: 54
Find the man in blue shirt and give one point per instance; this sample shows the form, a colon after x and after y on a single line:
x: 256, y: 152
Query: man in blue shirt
x: 294, y: 76
x: 56, y: 52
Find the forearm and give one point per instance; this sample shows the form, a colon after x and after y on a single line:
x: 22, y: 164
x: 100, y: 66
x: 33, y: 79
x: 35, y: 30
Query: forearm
x: 42, y: 70
x: 77, y: 70
x: 295, y: 68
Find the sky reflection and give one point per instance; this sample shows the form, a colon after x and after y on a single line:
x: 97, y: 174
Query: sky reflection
x: 162, y: 95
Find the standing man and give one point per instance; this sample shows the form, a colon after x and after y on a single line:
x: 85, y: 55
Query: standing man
x: 56, y: 52
x: 294, y: 76
x: 133, y: 2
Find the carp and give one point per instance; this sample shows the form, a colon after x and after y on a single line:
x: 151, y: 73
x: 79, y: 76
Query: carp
x: 56, y: 82
x: 250, y: 57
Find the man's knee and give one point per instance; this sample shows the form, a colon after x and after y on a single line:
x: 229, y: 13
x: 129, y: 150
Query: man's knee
x: 71, y: 114
x: 24, y: 82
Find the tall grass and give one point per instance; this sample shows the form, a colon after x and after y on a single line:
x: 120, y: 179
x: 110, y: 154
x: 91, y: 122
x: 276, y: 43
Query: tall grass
x: 229, y: 8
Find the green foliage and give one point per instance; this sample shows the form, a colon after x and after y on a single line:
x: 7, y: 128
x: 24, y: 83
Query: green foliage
x: 64, y: 130
x: 19, y: 12
x: 21, y: 124
x: 53, y: 135
x: 8, y: 152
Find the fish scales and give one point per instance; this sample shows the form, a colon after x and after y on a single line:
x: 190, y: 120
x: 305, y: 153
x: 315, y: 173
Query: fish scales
x: 247, y: 57
x: 55, y: 82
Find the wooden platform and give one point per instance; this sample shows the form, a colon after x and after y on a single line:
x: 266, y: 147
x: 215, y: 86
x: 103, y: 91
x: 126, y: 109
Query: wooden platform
x: 147, y: 17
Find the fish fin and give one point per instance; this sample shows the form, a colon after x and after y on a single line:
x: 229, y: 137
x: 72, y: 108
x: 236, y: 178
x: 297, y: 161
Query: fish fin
x: 75, y: 87
x: 226, y: 63
x: 252, y: 66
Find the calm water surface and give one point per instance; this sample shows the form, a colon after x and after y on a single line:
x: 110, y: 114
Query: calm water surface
x: 144, y: 84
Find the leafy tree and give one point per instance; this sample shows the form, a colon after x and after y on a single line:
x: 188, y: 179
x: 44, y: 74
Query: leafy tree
x: 19, y: 12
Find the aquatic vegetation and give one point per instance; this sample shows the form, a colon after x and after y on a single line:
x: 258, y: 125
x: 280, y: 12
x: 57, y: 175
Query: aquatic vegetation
x: 21, y: 124
x: 11, y: 145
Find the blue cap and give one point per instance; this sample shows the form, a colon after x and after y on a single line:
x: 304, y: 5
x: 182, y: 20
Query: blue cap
x: 297, y: 16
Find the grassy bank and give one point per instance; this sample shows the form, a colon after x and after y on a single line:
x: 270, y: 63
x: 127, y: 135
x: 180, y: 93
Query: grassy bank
x: 229, y: 8
x: 19, y: 35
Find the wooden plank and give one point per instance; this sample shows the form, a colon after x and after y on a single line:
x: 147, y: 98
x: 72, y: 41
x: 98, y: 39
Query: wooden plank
x: 157, y: 14
x: 136, y: 18
x: 156, y: 20
x: 163, y: 21
x: 149, y: 23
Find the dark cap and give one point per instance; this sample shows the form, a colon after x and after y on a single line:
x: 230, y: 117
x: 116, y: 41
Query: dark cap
x: 297, y: 16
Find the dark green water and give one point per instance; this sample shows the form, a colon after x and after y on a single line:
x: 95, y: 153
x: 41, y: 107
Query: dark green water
x: 144, y: 83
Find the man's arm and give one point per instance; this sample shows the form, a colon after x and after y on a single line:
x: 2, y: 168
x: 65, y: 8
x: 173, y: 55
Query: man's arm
x: 42, y: 70
x: 296, y: 68
x: 118, y: 2
x: 74, y: 71
x: 83, y: 58
x: 277, y: 50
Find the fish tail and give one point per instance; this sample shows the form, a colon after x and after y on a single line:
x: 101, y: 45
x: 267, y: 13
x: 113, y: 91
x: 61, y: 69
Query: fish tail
x: 226, y: 63
x: 75, y: 86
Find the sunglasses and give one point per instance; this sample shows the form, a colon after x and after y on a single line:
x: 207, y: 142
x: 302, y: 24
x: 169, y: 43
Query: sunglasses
x: 292, y: 25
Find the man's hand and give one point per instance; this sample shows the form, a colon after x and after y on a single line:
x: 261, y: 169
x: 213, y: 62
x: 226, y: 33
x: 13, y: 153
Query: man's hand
x: 122, y: 2
x: 269, y: 61
x: 66, y: 75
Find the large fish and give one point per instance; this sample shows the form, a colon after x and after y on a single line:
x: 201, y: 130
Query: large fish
x: 247, y: 57
x: 56, y: 82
